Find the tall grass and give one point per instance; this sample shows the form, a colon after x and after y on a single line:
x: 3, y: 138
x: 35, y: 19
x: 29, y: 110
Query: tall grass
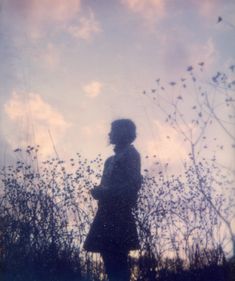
x: 46, y: 210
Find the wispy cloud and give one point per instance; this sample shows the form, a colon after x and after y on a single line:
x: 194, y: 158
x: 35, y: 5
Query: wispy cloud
x: 176, y: 56
x: 44, y: 11
x: 49, y: 57
x: 86, y: 28
x: 31, y: 114
x: 93, y: 89
x: 150, y: 10
x: 208, y: 8
x: 63, y: 15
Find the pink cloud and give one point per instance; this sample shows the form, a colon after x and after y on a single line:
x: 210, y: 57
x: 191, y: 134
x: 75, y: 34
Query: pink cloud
x: 86, y: 28
x: 93, y: 89
x: 45, y: 10
x: 49, y: 57
x: 154, y: 10
x: 208, y: 8
x: 150, y: 10
x: 29, y: 115
x: 62, y: 15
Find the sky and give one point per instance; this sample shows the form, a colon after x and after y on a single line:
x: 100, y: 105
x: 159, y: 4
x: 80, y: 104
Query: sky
x: 71, y: 67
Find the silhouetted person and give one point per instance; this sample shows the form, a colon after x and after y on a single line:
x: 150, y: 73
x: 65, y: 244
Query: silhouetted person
x: 113, y: 232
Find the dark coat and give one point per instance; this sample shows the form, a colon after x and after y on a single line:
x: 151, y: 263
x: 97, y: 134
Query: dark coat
x: 113, y: 228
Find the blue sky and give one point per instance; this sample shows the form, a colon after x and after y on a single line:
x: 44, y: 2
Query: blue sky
x: 73, y: 66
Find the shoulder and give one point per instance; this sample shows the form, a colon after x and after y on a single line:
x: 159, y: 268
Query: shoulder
x: 108, y: 161
x: 131, y: 155
x: 132, y: 152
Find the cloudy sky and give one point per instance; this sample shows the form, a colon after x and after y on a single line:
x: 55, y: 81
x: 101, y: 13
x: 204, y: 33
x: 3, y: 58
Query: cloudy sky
x: 70, y: 67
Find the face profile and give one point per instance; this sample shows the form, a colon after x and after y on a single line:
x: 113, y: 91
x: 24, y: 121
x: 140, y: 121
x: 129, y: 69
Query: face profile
x: 113, y: 136
x: 123, y: 132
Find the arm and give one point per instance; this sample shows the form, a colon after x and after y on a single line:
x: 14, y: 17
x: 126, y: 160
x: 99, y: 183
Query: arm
x: 100, y: 191
x: 128, y: 179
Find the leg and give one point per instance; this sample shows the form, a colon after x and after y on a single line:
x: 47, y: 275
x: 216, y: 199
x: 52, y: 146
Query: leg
x: 116, y: 266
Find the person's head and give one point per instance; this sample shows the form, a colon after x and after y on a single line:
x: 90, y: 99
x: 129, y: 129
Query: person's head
x: 123, y: 132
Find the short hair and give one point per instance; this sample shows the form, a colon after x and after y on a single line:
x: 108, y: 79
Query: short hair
x: 126, y: 130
